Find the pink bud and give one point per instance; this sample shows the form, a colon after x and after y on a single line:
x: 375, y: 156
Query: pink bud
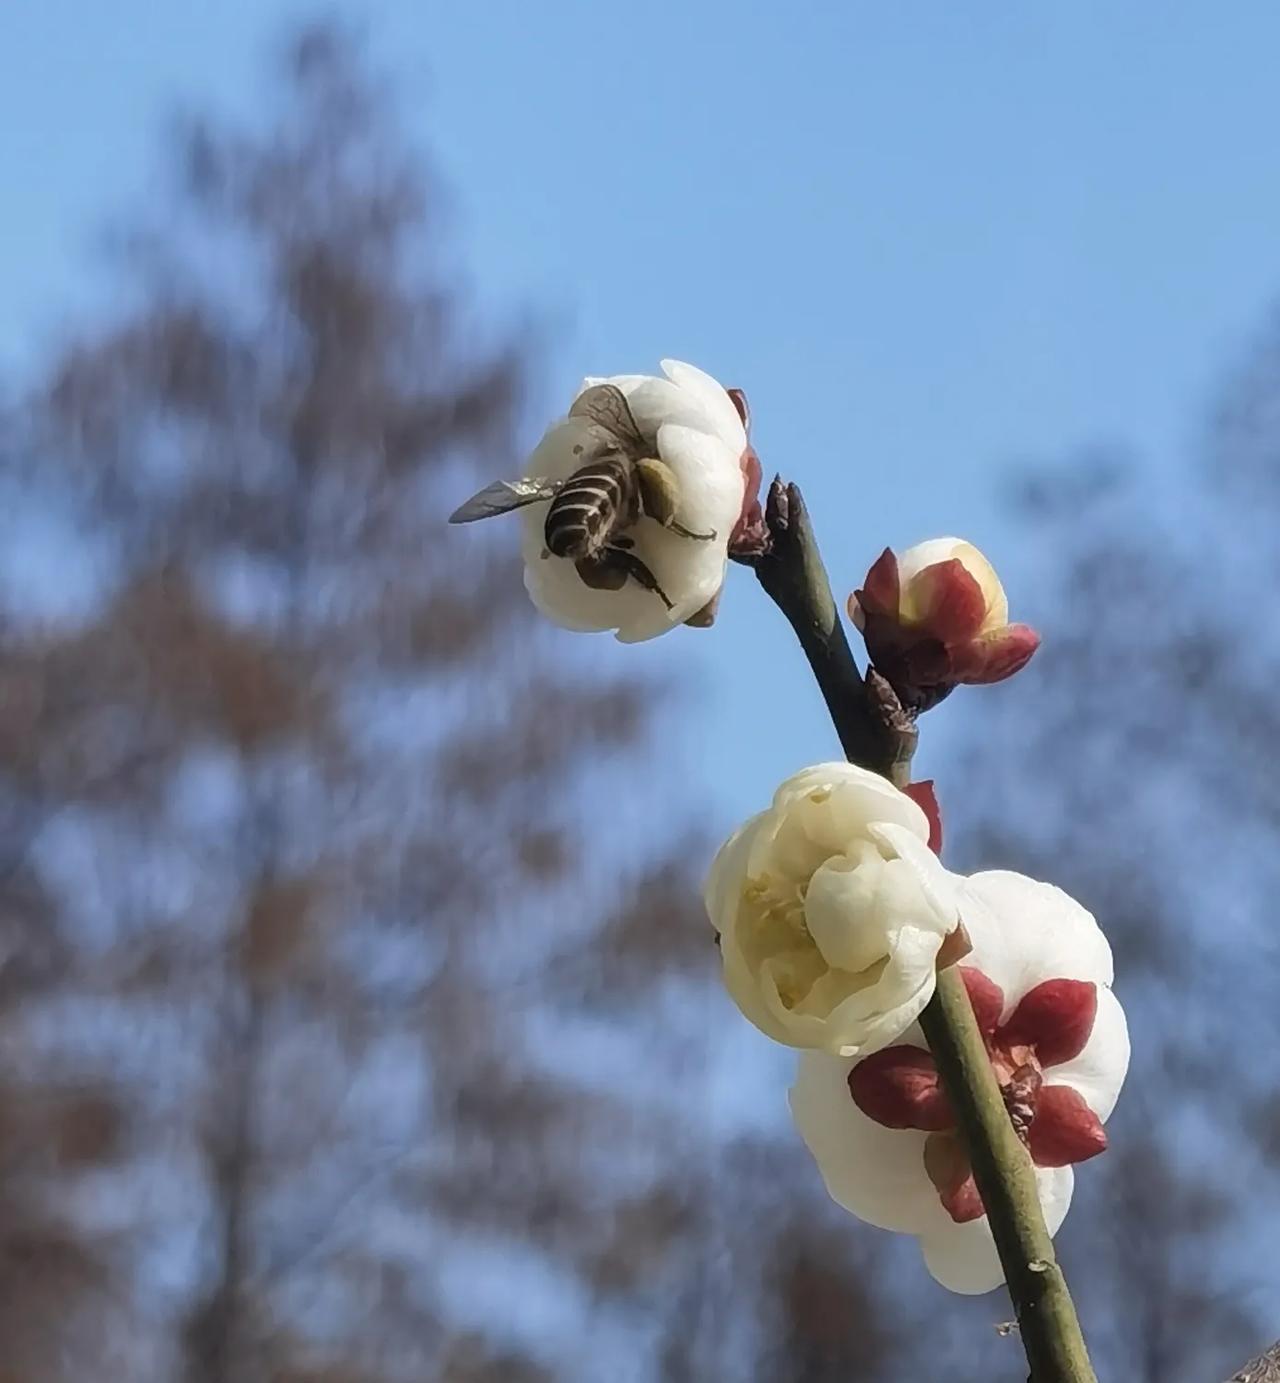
x: 936, y: 618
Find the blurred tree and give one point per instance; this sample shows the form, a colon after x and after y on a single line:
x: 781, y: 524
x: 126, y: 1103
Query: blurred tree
x: 290, y: 798
x: 358, y: 1018
x: 339, y: 1047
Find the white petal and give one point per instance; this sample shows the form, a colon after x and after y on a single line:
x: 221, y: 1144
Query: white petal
x: 833, y: 803
x: 709, y: 479
x: 940, y: 888
x: 713, y: 398
x: 655, y: 401
x: 1024, y: 932
x: 1099, y: 1071
x: 728, y: 873
x: 915, y: 559
x: 879, y: 1014
x: 758, y: 1000
x: 875, y: 1173
x: 840, y: 905
x: 927, y: 554
x: 878, y: 1175
x: 627, y: 383
x: 963, y: 1258
x: 688, y: 396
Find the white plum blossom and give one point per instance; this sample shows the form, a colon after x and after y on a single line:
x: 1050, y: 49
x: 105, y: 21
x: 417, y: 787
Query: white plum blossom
x: 882, y: 1131
x: 695, y: 428
x: 831, y: 912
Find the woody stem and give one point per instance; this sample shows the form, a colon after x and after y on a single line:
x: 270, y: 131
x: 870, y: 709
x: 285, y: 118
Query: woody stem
x: 876, y: 735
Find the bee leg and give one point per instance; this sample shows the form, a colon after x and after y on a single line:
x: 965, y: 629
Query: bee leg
x: 638, y: 572
x: 600, y: 572
x: 688, y: 533
x: 608, y: 571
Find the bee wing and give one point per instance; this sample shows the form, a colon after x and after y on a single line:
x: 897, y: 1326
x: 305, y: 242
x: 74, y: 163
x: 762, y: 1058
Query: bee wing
x: 503, y: 496
x: 606, y: 406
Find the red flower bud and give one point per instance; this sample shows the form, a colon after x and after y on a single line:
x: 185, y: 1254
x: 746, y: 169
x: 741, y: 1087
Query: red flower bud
x: 936, y: 618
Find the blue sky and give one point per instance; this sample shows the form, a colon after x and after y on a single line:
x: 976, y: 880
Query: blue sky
x: 931, y: 241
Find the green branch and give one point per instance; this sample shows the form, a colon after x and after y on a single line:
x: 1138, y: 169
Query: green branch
x: 876, y: 734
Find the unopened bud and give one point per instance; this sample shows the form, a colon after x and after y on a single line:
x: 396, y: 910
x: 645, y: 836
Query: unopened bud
x: 937, y: 617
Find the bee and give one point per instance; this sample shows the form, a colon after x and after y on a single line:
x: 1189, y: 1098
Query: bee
x: 618, y: 483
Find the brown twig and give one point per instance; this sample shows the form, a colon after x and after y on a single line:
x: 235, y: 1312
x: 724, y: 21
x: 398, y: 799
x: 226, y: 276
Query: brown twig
x: 1264, y: 1369
x: 876, y: 734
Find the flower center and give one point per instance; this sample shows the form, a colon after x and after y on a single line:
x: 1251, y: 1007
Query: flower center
x: 899, y: 1087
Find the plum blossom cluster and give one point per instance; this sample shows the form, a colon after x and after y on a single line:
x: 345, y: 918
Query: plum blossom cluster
x: 834, y: 918
x: 833, y: 912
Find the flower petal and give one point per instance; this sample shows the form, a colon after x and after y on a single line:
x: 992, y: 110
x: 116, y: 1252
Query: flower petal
x: 986, y: 997
x: 945, y: 600
x: 714, y: 399
x: 875, y: 1173
x: 1056, y: 1018
x: 924, y: 796
x: 1065, y: 1130
x: 655, y: 401
x: 728, y: 873
x: 899, y: 1088
x: 879, y: 1013
x: 938, y: 885
x: 840, y: 904
x: 963, y: 1258
x: 948, y: 1167
x: 1024, y: 932
x: 995, y: 656
x: 928, y: 554
x: 1098, y: 1072
x: 880, y: 591
x: 822, y: 810
x: 710, y: 483
x: 749, y: 528
x: 864, y: 796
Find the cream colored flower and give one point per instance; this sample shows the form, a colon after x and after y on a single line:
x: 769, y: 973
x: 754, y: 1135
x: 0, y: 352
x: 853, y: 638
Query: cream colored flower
x: 881, y: 1127
x: 831, y: 911
x: 695, y: 428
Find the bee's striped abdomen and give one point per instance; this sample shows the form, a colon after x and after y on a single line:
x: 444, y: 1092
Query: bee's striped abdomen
x: 586, y: 511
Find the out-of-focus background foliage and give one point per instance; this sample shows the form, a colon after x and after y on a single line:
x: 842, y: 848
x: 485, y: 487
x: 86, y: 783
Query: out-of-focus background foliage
x: 358, y: 1019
